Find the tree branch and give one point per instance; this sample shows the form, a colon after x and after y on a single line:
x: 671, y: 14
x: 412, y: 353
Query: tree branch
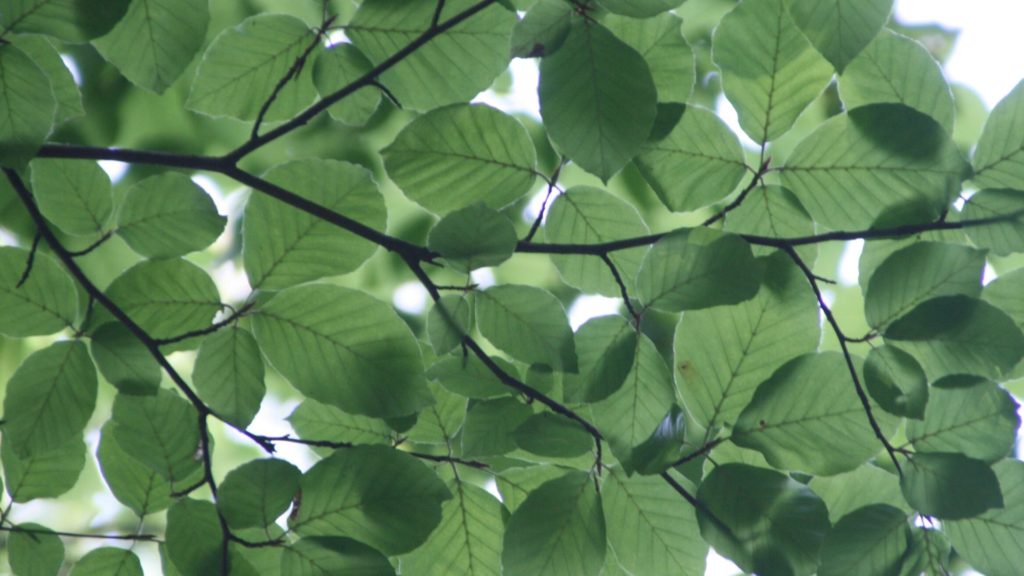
x: 131, y: 537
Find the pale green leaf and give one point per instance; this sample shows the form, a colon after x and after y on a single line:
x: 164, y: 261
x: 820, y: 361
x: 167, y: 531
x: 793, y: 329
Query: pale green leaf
x: 490, y: 424
x: 697, y: 268
x: 896, y: 381
x: 559, y: 529
x: 650, y: 528
x: 1007, y: 293
x: 606, y: 347
x: 49, y: 399
x: 824, y: 432
x: 439, y: 422
x: 863, y: 486
x: 542, y: 30
x: 27, y: 107
x: 257, y: 492
x: 193, y: 537
x: 969, y: 415
x: 473, y: 237
x: 898, y: 70
x: 587, y: 215
x: 470, y: 377
x: 516, y: 484
x: 452, y: 67
x: 999, y: 157
x: 373, y: 494
x: 108, y: 561
x: 468, y: 540
x: 768, y: 523
x: 552, y: 435
x: 228, y: 375
x: 991, y: 542
x: 243, y: 66
x: 528, y: 323
x: 168, y: 215
x: 660, y: 41
x: 869, y: 162
x: 133, y: 483
x: 45, y: 475
x: 664, y: 446
x: 342, y: 347
x: 929, y: 553
x: 448, y: 322
x: 73, y: 194
x: 284, y: 246
x: 640, y: 8
x: 770, y: 72
x: 69, y: 20
x: 124, y: 361
x: 722, y: 354
x: 156, y: 40
x: 774, y: 212
x: 315, y: 421
x: 870, y: 541
x: 159, y: 431
x: 34, y: 550
x: 840, y: 29
x: 334, y: 69
x: 42, y: 51
x: 1002, y: 238
x: 45, y: 303
x: 597, y: 98
x: 327, y: 555
x: 917, y: 273
x: 459, y: 155
x: 950, y: 486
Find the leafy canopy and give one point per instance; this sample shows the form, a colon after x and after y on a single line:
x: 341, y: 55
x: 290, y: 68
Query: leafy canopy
x: 325, y: 320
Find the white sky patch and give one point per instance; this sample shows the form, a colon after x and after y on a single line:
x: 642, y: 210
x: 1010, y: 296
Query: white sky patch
x: 717, y: 564
x: 336, y: 37
x: 411, y: 298
x: 727, y: 112
x: 988, y: 274
x: 482, y: 277
x: 522, y: 98
x: 270, y: 421
x: 533, y: 207
x: 115, y: 170
x: 590, y: 306
x: 232, y: 281
x: 849, y: 263
x: 72, y: 67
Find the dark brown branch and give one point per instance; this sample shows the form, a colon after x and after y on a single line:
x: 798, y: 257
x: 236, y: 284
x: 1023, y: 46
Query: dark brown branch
x: 861, y: 393
x: 700, y: 506
x: 29, y: 261
x: 99, y: 242
x: 132, y: 537
x: 552, y: 184
x: 340, y: 445
x: 622, y: 289
x: 209, y: 329
x: 754, y: 181
x: 706, y: 448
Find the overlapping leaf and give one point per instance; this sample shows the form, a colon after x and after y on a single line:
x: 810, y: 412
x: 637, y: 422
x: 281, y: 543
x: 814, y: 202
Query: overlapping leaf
x: 840, y: 29
x: 27, y: 107
x: 335, y: 68
x: 228, y: 375
x: 870, y: 540
x: 45, y: 303
x: 257, y: 492
x: 194, y: 537
x: 69, y: 20
x: 65, y: 91
x: 864, y: 486
x: 528, y: 323
x: 473, y: 237
x: 158, y: 431
x: 35, y: 549
x: 774, y: 212
x: 640, y: 8
x: 168, y: 215
x: 326, y: 555
x: 73, y: 194
x: 108, y: 561
x: 950, y: 486
x: 132, y: 483
x: 999, y: 158
x: 991, y: 542
x: 45, y: 475
x: 661, y: 43
x: 1003, y: 238
x: 315, y: 421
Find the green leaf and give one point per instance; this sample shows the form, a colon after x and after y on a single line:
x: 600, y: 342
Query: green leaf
x: 959, y: 335
x: 460, y: 155
x: 36, y: 553
x: 950, y: 486
x: 870, y: 541
x: 864, y: 486
x: 628, y: 416
x: 108, y: 562
x: 342, y: 347
x: 471, y: 54
x: 640, y: 8
x: 559, y: 529
x: 73, y: 194
x: 168, y: 215
x: 69, y: 20
x: 664, y: 446
x: 473, y: 237
x: 898, y: 70
x: 969, y: 415
x: 597, y: 98
x: 490, y: 425
x: 334, y: 69
x: 542, y: 30
x: 315, y: 421
x: 27, y: 107
x: 896, y: 382
x: 516, y: 484
x: 770, y: 72
x: 243, y: 66
x: 823, y: 433
x: 324, y: 556
x: 159, y: 431
x: 774, y: 212
x: 1007, y: 293
x: 228, y: 375
x: 553, y: 435
x: 660, y: 41
x: 193, y: 537
x: 871, y: 161
x: 929, y: 553
x: 440, y: 422
x: 42, y: 51
x: 134, y: 484
x: 767, y: 522
x: 257, y: 492
x: 991, y: 541
x: 45, y: 475
x: 467, y: 541
x: 470, y: 377
x: 374, y: 494
x: 650, y: 528
x: 528, y: 323
x: 840, y: 29
x: 606, y: 347
x: 45, y: 303
x: 166, y: 298
x: 284, y: 246
x: 917, y: 273
x: 448, y: 322
x: 697, y: 268
x: 587, y: 215
x: 722, y: 354
x: 125, y: 361
x: 1002, y: 238
x: 998, y: 157
x: 49, y: 399
x: 156, y: 40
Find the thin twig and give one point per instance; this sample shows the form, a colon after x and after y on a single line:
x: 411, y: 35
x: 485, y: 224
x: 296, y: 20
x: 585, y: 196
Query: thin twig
x: 436, y: 18
x: 340, y: 445
x: 209, y: 329
x: 387, y: 92
x: 703, y: 450
x: 99, y: 242
x: 552, y: 184
x: 622, y: 288
x: 30, y: 260
x: 754, y: 181
x: 133, y: 537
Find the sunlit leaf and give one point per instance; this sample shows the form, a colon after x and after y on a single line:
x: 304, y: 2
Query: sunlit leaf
x: 950, y: 486
x: 473, y: 237
x: 73, y: 194
x: 134, y: 484
x: 34, y: 550
x: 257, y: 492
x: 896, y: 381
x: 470, y: 377
x: 660, y: 41
x: 228, y: 375
x: 490, y: 426
x: 334, y: 69
x: 326, y: 555
x: 315, y: 421
x: 45, y: 475
x: 1002, y: 238
x: 108, y: 561
x: 65, y: 91
x: 840, y: 29
x: 870, y: 540
x: 27, y: 107
x: 864, y: 486
x: 640, y: 8
x: 159, y: 431
x: 168, y: 215
x: 929, y: 553
x: 194, y: 537
x: 773, y: 211
x: 991, y: 541
x: 999, y: 158
x: 45, y: 303
x: 528, y: 323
